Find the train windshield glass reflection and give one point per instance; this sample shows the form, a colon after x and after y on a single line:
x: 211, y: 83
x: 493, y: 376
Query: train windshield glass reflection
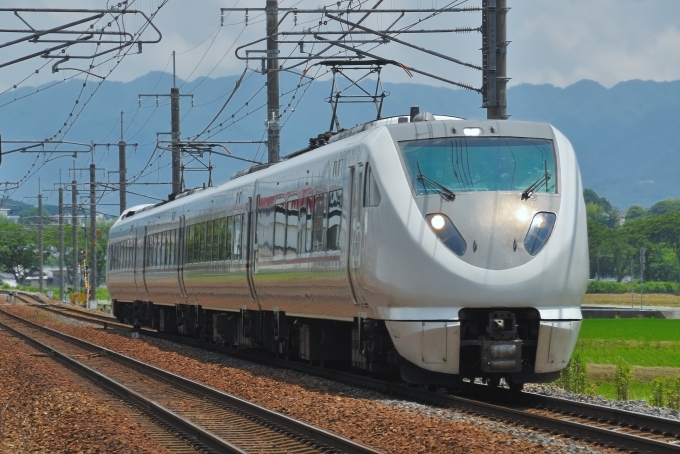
x: 481, y: 163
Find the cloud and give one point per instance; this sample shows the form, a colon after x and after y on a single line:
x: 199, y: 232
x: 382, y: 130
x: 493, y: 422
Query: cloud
x: 559, y: 43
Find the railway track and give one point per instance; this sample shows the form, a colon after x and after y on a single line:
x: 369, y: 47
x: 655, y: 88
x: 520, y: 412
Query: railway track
x: 604, y: 426
x: 213, y: 419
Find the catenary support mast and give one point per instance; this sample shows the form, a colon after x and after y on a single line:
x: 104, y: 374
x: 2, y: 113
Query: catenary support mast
x: 494, y: 48
x: 122, y: 168
x: 273, y: 128
x: 75, y: 282
x: 93, y: 228
x: 61, y: 243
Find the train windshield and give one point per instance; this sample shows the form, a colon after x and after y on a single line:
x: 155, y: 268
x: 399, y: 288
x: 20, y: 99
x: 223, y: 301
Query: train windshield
x: 481, y: 164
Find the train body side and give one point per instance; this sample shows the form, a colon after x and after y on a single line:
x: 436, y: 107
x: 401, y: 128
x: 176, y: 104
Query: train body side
x: 303, y: 240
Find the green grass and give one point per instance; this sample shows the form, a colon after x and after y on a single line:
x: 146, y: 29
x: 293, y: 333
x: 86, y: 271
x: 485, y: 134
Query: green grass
x: 644, y: 342
x: 646, y: 353
x: 636, y: 329
x: 638, y: 390
x: 102, y: 293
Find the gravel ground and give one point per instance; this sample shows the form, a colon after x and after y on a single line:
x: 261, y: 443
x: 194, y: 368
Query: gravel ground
x: 42, y: 410
x: 393, y: 425
x: 639, y: 406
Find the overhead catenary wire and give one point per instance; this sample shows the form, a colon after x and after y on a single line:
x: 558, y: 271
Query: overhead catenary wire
x: 119, y: 59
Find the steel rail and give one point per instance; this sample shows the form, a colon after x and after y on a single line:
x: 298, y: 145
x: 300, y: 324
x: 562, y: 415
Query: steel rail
x: 164, y: 414
x: 258, y: 412
x: 613, y: 416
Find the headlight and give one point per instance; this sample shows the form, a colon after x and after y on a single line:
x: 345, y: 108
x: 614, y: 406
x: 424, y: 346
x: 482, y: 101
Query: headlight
x: 539, y: 232
x: 447, y: 233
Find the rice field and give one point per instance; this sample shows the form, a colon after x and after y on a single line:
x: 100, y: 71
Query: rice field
x: 650, y: 346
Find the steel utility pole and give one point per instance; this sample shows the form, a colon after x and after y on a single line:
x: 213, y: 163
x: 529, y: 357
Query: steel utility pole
x: 93, y: 228
x: 494, y: 49
x: 122, y: 168
x: 273, y: 127
x: 61, y: 244
x: 174, y: 128
x: 74, y: 221
x: 176, y: 147
x: 40, y: 239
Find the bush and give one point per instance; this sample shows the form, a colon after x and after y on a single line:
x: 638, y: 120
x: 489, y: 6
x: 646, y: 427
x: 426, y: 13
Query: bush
x: 624, y: 287
x: 665, y: 393
x: 622, y: 381
x: 573, y: 377
x: 658, y: 393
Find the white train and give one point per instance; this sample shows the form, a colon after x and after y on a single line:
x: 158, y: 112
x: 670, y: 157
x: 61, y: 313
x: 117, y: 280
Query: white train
x: 439, y: 247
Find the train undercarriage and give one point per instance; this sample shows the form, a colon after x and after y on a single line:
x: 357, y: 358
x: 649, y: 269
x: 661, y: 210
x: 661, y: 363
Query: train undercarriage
x: 494, y: 343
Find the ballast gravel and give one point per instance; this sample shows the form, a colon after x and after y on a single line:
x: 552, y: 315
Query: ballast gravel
x: 638, y: 406
x: 43, y: 411
x: 392, y: 425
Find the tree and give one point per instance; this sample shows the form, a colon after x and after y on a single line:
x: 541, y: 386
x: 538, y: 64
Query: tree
x: 599, y: 209
x: 597, y: 232
x: 664, y: 206
x: 666, y: 228
x: 19, y: 253
x: 32, y: 217
x: 635, y: 212
x: 617, y: 245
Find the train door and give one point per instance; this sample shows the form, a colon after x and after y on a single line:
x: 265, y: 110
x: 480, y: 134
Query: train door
x: 140, y: 250
x: 355, y: 230
x: 145, y: 246
x: 180, y: 255
x: 251, y: 246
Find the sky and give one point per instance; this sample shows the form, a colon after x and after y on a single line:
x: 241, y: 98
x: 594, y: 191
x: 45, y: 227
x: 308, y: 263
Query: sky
x: 552, y: 42
x: 558, y: 43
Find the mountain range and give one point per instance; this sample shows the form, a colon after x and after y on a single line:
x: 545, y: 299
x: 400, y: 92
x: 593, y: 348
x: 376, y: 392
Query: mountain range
x: 624, y: 136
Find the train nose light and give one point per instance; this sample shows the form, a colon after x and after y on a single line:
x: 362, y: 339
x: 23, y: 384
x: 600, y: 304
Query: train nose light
x: 472, y: 131
x: 437, y: 222
x: 539, y: 232
x: 447, y: 233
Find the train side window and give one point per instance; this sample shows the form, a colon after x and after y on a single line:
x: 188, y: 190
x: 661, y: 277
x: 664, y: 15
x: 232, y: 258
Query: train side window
x: 292, y: 225
x: 166, y: 248
x: 192, y: 241
x: 279, y: 227
x: 154, y: 250
x: 319, y: 222
x: 221, y: 233
x: 215, y: 240
x: 238, y: 221
x: 205, y: 253
x: 303, y: 225
x: 149, y: 239
x: 209, y: 241
x: 201, y: 244
x: 371, y: 191
x: 308, y: 224
x: 173, y: 247
x: 334, y: 219
x: 163, y: 243
x: 230, y: 228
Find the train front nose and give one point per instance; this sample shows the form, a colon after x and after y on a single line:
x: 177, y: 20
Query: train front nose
x: 505, y: 274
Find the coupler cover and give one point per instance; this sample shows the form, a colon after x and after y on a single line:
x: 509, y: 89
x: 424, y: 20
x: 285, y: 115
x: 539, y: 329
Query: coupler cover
x: 501, y: 356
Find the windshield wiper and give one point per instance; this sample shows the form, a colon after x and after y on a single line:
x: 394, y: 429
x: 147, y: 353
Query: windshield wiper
x: 443, y: 191
x: 528, y: 192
